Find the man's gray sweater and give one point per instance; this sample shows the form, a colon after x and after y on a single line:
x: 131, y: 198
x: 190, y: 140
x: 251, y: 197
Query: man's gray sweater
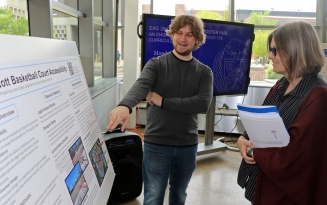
x: 186, y: 87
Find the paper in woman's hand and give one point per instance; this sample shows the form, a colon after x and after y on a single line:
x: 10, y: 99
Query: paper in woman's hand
x: 263, y: 125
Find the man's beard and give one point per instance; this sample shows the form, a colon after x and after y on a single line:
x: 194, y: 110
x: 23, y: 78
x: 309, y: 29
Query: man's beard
x: 185, y: 53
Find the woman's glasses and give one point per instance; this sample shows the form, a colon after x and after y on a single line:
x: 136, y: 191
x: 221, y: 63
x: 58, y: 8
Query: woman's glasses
x: 273, y: 50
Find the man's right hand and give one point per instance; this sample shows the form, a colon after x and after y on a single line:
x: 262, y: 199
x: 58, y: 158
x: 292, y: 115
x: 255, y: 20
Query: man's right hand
x: 118, y: 115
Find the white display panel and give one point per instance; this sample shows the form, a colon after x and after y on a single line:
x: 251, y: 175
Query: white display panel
x: 51, y: 147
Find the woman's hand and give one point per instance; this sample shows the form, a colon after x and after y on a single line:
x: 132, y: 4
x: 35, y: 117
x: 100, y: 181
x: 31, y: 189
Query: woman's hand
x: 244, y: 145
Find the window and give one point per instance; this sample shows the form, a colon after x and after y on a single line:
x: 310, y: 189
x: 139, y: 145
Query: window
x: 14, y: 17
x: 208, y: 9
x: 65, y: 27
x: 97, y: 52
x: 267, y: 15
x: 98, y: 41
x: 70, y: 3
x: 120, y: 39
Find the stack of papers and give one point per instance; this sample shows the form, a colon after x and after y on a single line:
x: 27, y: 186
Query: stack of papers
x: 263, y: 125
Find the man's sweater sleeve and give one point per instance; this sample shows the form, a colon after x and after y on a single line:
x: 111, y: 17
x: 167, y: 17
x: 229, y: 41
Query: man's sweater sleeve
x: 141, y: 86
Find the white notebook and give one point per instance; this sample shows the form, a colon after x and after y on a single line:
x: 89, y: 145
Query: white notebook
x: 263, y: 125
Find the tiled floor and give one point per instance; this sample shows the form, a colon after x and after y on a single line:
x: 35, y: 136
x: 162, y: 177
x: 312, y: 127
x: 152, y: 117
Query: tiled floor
x: 214, y: 180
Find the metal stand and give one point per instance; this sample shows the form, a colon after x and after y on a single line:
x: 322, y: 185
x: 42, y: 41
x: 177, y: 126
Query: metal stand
x: 210, y: 146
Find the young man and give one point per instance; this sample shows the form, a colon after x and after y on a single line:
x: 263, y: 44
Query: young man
x: 180, y: 88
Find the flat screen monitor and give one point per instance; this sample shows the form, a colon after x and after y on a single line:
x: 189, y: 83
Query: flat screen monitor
x: 227, y: 50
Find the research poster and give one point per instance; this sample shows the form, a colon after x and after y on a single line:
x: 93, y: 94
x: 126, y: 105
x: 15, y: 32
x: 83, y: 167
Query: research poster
x: 51, y: 147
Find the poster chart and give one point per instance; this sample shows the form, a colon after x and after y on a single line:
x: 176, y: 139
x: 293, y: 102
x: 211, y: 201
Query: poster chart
x: 51, y: 147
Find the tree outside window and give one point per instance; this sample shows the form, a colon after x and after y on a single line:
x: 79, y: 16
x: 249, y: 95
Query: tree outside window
x: 11, y: 25
x: 261, y: 68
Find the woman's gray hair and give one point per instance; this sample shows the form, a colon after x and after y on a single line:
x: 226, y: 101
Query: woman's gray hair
x: 299, y: 48
x: 195, y: 23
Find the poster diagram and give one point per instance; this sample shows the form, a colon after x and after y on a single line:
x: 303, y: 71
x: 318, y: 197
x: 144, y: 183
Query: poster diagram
x: 230, y: 67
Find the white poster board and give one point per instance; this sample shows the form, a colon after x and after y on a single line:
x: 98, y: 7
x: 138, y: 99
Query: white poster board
x: 51, y: 147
